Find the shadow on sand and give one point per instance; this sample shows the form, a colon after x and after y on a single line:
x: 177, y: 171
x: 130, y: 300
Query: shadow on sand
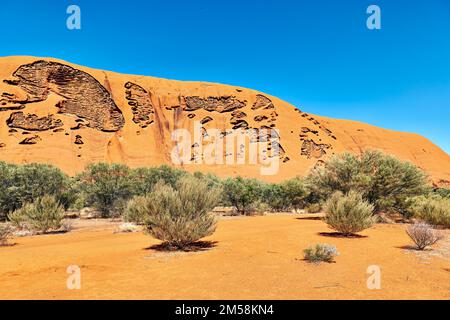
x: 194, y: 247
x: 340, y: 235
x: 309, y: 218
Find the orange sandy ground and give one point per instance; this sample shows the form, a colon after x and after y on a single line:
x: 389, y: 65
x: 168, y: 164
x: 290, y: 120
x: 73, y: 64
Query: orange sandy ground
x: 254, y: 258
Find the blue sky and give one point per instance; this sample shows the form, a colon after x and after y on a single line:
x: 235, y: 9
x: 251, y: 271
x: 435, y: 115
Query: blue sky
x: 318, y: 55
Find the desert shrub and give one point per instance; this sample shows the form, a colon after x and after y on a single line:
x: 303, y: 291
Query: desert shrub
x: 443, y: 192
x: 287, y: 195
x: 432, y: 209
x: 383, y: 180
x: 242, y: 193
x: 349, y: 214
x: 274, y: 196
x: 258, y: 208
x: 313, y: 208
x: 24, y: 183
x: 321, y: 253
x: 144, y: 179
x: 107, y: 187
x: 6, y: 232
x: 181, y: 216
x: 137, y: 210
x: 423, y: 235
x: 43, y: 215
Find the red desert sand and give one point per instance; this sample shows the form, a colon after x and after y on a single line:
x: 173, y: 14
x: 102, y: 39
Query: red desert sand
x: 252, y: 258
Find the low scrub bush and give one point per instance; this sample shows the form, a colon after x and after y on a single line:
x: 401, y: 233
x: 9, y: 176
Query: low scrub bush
x: 321, y: 253
x: 313, y: 208
x: 349, y: 214
x: 43, y: 215
x: 137, y: 210
x: 432, y: 209
x: 423, y: 235
x: 181, y: 216
x: 6, y: 232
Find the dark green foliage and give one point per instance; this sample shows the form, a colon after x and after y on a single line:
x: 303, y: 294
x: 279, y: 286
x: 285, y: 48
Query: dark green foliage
x: 107, y: 187
x: 383, y: 180
x: 443, y: 192
x: 144, y: 179
x: 24, y: 183
x: 290, y: 194
x: 242, y: 193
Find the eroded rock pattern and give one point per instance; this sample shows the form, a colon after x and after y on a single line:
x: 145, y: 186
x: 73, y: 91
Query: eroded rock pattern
x: 218, y: 104
x: 311, y: 149
x: 141, y: 104
x: 32, y: 122
x: 262, y: 102
x: 31, y: 140
x: 83, y: 95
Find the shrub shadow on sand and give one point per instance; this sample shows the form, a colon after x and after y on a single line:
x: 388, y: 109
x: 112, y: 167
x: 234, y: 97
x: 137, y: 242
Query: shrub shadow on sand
x: 310, y: 218
x: 193, y: 247
x: 341, y: 235
x: 412, y: 247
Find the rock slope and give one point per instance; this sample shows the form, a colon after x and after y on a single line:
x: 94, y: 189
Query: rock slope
x: 52, y: 111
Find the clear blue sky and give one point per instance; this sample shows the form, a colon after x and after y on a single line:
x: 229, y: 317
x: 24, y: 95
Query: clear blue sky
x: 316, y: 54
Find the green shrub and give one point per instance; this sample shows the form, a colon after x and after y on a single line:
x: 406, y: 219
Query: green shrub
x: 423, y: 235
x: 274, y: 196
x: 107, y: 187
x: 258, y: 208
x: 6, y: 232
x: 43, y: 215
x: 290, y: 194
x: 144, y: 179
x: 181, y: 216
x: 243, y: 193
x: 24, y: 183
x: 349, y: 214
x: 314, y: 208
x: 137, y: 210
x: 383, y: 180
x: 432, y: 209
x: 321, y: 253
x: 443, y: 192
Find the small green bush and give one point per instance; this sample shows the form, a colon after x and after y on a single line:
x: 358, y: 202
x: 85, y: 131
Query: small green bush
x: 349, y: 214
x: 6, y: 232
x: 43, y: 215
x: 432, y: 209
x: 137, y: 210
x: 181, y: 216
x: 243, y: 193
x: 321, y: 253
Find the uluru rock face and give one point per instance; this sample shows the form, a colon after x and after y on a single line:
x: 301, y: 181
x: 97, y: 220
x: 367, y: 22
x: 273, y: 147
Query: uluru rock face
x: 55, y: 112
